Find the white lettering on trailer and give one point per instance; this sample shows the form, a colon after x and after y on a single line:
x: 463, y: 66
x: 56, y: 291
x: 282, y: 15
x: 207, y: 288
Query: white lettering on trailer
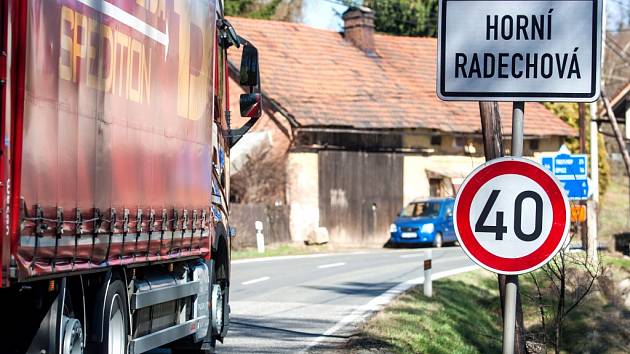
x: 128, y: 19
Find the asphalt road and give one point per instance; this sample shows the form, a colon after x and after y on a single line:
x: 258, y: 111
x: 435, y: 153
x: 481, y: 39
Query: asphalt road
x: 299, y: 304
x: 310, y: 303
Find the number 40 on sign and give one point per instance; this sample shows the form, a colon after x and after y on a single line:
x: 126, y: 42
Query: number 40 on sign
x: 511, y: 215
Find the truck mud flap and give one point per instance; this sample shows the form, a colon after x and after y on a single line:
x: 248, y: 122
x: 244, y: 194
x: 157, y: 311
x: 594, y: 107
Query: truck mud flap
x: 47, y: 337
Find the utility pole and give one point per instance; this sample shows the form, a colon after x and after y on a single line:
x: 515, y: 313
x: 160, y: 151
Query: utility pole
x: 593, y: 205
x: 493, y: 148
x: 582, y: 124
x: 627, y: 136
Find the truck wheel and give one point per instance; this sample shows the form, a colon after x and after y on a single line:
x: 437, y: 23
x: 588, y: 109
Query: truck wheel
x: 437, y: 240
x: 69, y: 325
x: 115, y: 320
x: 72, y: 336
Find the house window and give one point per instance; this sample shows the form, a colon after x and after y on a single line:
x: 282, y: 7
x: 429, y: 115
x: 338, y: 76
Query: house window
x: 534, y: 144
x: 436, y: 140
x: 459, y: 141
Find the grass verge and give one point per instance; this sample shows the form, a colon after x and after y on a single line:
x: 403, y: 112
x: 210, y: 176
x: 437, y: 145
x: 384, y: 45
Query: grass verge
x: 464, y: 317
x: 460, y: 318
x: 613, y: 213
x: 616, y: 261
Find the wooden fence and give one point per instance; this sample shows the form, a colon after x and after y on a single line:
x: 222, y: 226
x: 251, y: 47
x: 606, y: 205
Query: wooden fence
x: 275, y: 221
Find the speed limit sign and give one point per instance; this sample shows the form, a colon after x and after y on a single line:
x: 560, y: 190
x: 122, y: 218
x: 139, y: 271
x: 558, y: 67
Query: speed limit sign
x: 511, y: 215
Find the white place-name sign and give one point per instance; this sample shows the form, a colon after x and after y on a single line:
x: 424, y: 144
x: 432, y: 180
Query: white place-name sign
x: 521, y: 50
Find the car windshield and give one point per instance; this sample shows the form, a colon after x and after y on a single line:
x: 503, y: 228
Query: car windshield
x: 423, y: 209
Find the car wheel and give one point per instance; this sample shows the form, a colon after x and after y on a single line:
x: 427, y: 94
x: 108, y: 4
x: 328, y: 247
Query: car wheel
x: 437, y: 240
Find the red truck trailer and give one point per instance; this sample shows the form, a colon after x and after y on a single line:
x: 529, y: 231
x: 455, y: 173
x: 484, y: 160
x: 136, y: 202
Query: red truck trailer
x: 114, y: 174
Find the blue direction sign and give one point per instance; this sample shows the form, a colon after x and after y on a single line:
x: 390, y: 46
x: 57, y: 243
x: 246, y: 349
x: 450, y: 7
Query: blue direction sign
x: 547, y: 161
x: 571, y: 170
x: 576, y: 189
x: 567, y: 166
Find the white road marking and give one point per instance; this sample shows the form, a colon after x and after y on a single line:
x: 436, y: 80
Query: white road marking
x: 331, y: 265
x: 319, y: 255
x: 128, y: 19
x: 254, y: 281
x: 380, y: 301
x: 412, y: 255
x: 439, y: 258
x: 279, y: 258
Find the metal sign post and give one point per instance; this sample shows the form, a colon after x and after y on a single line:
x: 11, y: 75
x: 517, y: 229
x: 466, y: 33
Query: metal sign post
x: 519, y: 50
x: 511, y: 284
x: 511, y: 216
x: 509, y: 313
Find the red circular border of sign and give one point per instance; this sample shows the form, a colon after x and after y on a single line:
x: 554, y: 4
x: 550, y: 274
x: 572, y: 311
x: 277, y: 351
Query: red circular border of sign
x: 558, y: 227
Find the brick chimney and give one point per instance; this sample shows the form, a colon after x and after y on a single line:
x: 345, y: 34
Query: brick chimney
x: 358, y: 27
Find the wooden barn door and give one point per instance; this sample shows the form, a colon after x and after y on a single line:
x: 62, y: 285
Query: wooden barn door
x: 359, y: 194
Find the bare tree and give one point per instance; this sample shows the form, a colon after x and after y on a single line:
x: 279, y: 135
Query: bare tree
x: 280, y: 10
x: 261, y: 179
x: 561, y: 286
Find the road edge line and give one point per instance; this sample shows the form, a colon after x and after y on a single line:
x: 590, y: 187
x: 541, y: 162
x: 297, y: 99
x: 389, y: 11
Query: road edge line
x: 377, y: 303
x: 279, y: 258
x: 328, y: 254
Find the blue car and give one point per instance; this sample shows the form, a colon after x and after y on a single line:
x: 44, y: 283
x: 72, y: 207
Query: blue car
x: 428, y: 221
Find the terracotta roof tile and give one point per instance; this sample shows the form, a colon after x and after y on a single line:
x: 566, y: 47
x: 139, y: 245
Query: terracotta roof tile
x: 323, y: 80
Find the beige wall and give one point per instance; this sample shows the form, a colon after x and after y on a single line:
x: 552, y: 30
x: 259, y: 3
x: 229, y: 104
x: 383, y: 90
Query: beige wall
x: 303, y: 193
x: 549, y: 144
x: 451, y: 145
x: 303, y: 183
x: 415, y: 180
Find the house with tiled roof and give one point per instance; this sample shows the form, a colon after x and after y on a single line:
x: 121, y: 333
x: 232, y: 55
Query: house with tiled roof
x: 358, y: 120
